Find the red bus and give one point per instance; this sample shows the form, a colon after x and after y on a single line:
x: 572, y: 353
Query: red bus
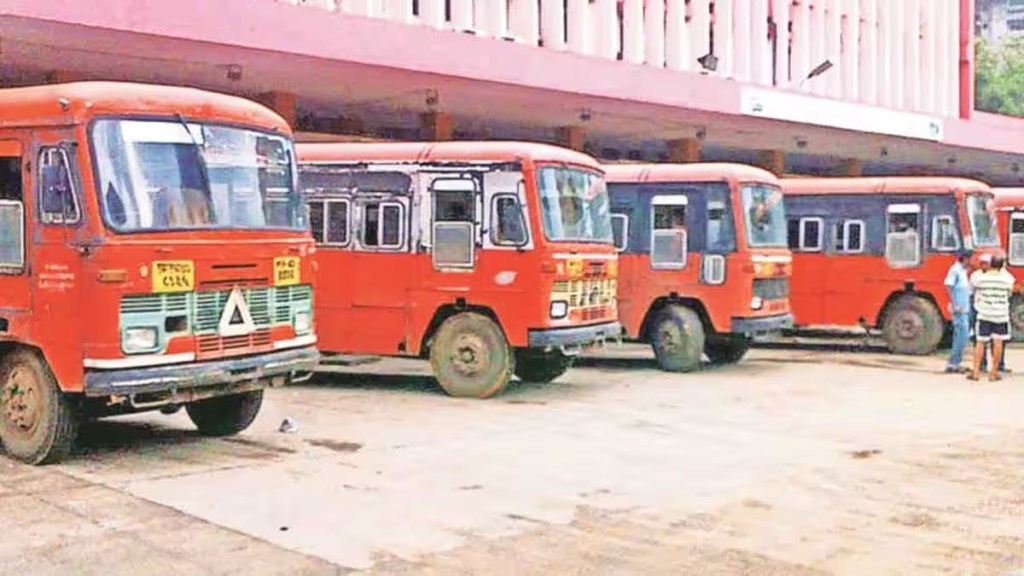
x: 153, y: 255
x: 490, y: 258
x: 704, y: 264
x: 1010, y: 210
x: 874, y: 252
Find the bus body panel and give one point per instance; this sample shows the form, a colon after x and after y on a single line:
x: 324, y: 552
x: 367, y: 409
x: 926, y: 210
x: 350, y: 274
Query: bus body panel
x: 839, y: 229
x: 388, y: 301
x: 740, y: 272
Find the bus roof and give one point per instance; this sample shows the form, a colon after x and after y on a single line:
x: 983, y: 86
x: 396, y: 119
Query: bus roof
x: 81, y: 101
x: 697, y: 172
x: 1009, y: 198
x: 882, y: 185
x: 464, y: 151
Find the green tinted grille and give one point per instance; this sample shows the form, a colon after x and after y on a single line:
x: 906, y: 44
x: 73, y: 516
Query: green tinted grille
x: 268, y: 306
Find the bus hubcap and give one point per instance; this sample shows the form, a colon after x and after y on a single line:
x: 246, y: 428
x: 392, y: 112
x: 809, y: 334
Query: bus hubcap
x: 19, y: 401
x: 909, y: 326
x: 470, y: 355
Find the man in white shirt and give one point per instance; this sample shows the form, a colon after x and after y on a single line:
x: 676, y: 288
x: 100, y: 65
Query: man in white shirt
x: 992, y: 290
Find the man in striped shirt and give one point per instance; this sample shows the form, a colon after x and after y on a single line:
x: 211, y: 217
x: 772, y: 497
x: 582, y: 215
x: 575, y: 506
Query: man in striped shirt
x: 992, y: 290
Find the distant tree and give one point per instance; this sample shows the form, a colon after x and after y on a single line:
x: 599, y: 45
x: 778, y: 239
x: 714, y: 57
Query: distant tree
x: 999, y: 76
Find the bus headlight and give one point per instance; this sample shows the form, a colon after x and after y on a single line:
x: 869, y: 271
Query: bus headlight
x: 756, y: 303
x: 135, y: 340
x: 559, y: 309
x: 302, y: 322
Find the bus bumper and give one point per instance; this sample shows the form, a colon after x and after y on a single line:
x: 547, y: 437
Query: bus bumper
x: 762, y: 325
x: 571, y: 340
x: 248, y: 371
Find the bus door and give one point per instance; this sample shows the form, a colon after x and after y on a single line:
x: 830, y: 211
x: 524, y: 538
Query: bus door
x: 903, y: 235
x: 810, y: 282
x: 58, y: 249
x: 506, y: 235
x: 381, y: 273
x: 1015, y: 239
x: 15, y: 293
x: 625, y: 222
x: 451, y: 216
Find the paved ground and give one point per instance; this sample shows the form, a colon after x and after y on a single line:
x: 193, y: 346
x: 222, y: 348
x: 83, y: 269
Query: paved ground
x: 793, y: 462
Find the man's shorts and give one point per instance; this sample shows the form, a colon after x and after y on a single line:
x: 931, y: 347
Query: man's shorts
x: 987, y: 331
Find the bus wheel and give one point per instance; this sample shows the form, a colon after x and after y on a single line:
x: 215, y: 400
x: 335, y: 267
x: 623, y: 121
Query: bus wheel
x: 912, y: 326
x: 225, y: 415
x: 541, y: 367
x: 1017, y: 317
x: 471, y: 357
x: 678, y: 339
x: 727, y: 348
x: 38, y: 423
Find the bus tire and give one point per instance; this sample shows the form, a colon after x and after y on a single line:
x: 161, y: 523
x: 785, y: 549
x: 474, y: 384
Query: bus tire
x: 913, y: 326
x: 471, y: 357
x: 727, y: 348
x: 225, y: 415
x: 678, y: 339
x: 38, y: 422
x: 541, y: 367
x: 1017, y: 317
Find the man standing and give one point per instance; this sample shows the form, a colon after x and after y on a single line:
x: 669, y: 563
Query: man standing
x: 984, y: 263
x: 992, y: 290
x: 959, y: 287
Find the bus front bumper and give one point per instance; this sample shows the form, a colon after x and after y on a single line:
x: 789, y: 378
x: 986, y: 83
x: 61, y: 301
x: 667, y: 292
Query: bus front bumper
x: 254, y: 371
x: 571, y: 340
x: 761, y: 326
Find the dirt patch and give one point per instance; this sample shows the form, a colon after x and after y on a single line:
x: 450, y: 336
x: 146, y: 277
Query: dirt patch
x: 335, y: 445
x: 864, y: 454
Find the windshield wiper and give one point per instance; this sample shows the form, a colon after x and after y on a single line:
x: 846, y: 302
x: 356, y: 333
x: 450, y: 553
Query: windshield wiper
x: 204, y: 175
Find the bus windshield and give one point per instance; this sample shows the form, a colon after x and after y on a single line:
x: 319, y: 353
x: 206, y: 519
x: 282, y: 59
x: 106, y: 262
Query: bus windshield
x: 764, y: 216
x: 160, y: 176
x: 982, y: 216
x: 574, y: 205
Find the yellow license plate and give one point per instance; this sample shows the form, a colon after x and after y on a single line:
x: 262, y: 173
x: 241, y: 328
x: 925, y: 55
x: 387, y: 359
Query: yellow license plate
x: 174, y: 276
x: 286, y: 271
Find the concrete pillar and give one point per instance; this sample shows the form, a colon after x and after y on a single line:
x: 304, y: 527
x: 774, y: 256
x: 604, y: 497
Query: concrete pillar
x: 684, y: 150
x: 850, y: 167
x: 281, y: 102
x: 436, y: 126
x: 773, y: 161
x: 572, y: 137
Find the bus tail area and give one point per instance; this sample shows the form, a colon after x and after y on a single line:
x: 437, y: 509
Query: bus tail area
x: 492, y: 259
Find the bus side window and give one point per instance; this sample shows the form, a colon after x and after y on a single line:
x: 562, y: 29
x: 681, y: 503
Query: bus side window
x: 620, y: 231
x: 668, y: 233
x: 508, y: 225
x: 944, y: 234
x: 382, y: 225
x: 12, y: 215
x: 58, y: 204
x: 849, y: 237
x: 329, y: 221
x: 903, y: 236
x: 805, y: 234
